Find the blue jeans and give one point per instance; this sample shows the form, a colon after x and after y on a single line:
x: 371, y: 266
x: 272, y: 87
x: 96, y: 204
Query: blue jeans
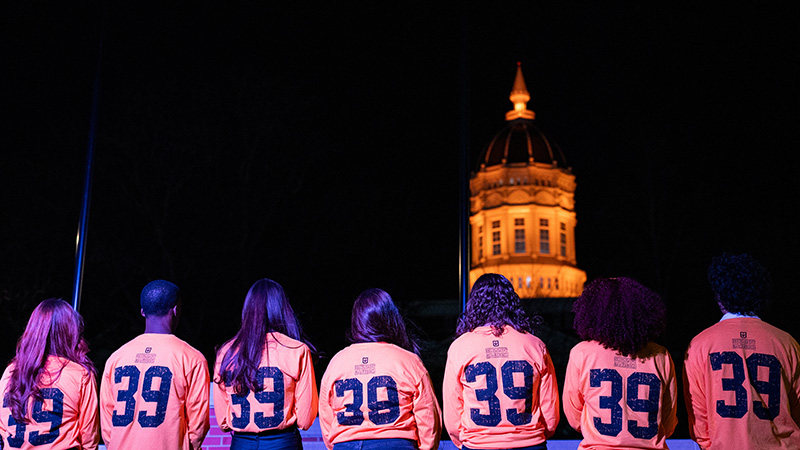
x: 542, y: 446
x: 288, y: 439
x: 377, y: 444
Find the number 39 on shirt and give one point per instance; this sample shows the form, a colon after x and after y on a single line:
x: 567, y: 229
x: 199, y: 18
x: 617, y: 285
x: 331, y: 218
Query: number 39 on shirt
x: 510, y: 390
x: 381, y: 412
x: 128, y: 396
x: 613, y: 402
x: 39, y: 415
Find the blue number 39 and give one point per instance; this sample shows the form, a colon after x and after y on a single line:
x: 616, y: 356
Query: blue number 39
x: 489, y: 393
x: 381, y: 412
x: 275, y: 396
x: 612, y: 402
x: 39, y: 415
x: 158, y: 396
x: 771, y: 387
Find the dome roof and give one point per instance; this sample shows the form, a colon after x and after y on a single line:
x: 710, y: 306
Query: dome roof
x: 522, y: 142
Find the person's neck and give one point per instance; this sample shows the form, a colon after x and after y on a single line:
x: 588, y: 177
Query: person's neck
x: 158, y: 325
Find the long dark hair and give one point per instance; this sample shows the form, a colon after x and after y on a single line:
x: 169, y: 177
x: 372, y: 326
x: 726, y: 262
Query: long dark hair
x: 54, y: 329
x: 266, y: 309
x: 619, y: 313
x: 375, y: 318
x: 494, y: 302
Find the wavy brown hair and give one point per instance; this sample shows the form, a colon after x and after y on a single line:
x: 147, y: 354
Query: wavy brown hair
x: 494, y: 302
x: 619, y: 313
x: 54, y: 329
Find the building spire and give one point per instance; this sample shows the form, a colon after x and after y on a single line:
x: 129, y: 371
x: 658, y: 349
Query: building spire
x: 519, y: 97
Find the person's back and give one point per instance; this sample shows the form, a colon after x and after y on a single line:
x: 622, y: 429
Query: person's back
x: 49, y: 392
x: 499, y: 387
x: 618, y: 401
x: 376, y: 394
x: 742, y: 386
x: 366, y: 370
x: 505, y: 386
x: 620, y: 389
x: 742, y: 375
x: 154, y: 389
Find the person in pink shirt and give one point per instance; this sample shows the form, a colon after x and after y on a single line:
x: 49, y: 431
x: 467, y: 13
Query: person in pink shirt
x: 376, y: 394
x: 500, y: 389
x: 154, y: 389
x: 620, y: 390
x: 264, y: 384
x: 742, y: 375
x: 49, y: 389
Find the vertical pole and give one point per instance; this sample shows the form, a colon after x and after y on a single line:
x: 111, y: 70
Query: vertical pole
x: 80, y: 244
x: 463, y: 179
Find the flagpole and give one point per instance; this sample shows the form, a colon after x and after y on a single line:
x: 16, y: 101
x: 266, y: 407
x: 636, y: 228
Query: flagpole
x: 463, y: 180
x: 83, y: 227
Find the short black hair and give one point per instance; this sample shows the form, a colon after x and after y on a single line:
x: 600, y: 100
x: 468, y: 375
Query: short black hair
x: 741, y: 284
x: 158, y: 297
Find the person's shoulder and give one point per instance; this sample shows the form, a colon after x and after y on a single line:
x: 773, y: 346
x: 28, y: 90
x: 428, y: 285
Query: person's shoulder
x: 122, y: 350
x: 586, y: 346
x: 185, y: 348
x: 402, y: 354
x: 708, y: 331
x: 65, y: 365
x: 279, y: 340
x: 778, y: 333
x: 466, y: 338
x: 7, y: 371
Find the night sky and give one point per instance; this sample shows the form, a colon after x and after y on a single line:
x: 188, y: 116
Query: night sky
x: 319, y: 148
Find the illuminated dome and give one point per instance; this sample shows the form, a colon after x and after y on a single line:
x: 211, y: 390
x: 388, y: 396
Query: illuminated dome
x: 522, y: 209
x: 522, y: 142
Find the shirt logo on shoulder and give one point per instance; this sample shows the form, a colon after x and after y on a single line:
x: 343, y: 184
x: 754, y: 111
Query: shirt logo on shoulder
x: 365, y: 360
x: 148, y: 349
x: 495, y: 343
x: 743, y: 334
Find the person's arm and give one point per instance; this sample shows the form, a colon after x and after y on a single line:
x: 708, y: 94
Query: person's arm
x: 670, y: 399
x: 794, y: 372
x: 695, y: 399
x: 88, y: 420
x: 453, y: 399
x: 326, y: 415
x: 427, y: 414
x: 197, y: 420
x: 548, y: 397
x: 107, y: 402
x: 221, y: 402
x: 573, y: 397
x: 306, y: 399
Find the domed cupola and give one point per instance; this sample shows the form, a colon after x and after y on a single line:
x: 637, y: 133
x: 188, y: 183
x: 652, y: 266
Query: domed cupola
x: 523, y: 209
x: 521, y: 141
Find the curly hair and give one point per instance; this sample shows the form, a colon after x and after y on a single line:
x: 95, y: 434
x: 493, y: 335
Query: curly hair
x: 493, y: 302
x: 741, y: 284
x: 619, y: 313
